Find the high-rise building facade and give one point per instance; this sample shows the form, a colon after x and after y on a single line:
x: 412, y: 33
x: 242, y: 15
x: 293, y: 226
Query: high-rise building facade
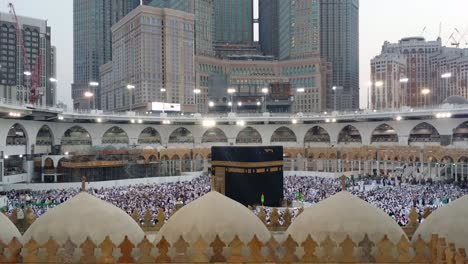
x: 234, y: 21
x: 306, y: 79
x: 152, y: 50
x: 36, y: 36
x: 92, y: 43
x: 204, y: 21
x: 388, y: 71
x: 269, y: 26
x: 299, y: 31
x: 449, y: 74
x: 339, y: 45
x: 289, y: 29
x: 417, y: 53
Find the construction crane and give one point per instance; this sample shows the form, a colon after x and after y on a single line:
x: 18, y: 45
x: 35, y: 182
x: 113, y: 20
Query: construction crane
x: 461, y: 36
x: 36, y: 72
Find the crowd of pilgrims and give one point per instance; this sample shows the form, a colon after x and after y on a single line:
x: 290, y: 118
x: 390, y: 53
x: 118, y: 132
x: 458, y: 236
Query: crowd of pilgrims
x: 395, y: 198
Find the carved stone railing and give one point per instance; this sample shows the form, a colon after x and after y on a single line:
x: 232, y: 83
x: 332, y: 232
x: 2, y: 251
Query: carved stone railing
x: 437, y: 251
x: 150, y: 222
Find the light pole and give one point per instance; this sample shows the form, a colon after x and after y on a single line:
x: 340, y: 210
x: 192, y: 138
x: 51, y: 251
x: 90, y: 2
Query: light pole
x: 379, y: 84
x: 335, y: 91
x: 446, y: 76
x: 231, y: 91
x: 196, y: 92
x: 94, y: 85
x: 425, y: 92
x: 53, y: 81
x: 369, y: 87
x: 28, y: 85
x: 88, y: 95
x: 265, y: 92
x: 130, y: 88
x: 298, y: 91
x: 405, y: 82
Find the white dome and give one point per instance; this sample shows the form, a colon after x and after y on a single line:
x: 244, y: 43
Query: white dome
x: 84, y: 216
x: 214, y: 214
x: 344, y: 214
x: 8, y: 230
x: 448, y: 222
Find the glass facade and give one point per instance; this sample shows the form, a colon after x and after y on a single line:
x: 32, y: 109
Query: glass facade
x: 234, y: 21
x: 339, y: 40
x: 289, y: 29
x: 92, y: 40
x: 204, y: 20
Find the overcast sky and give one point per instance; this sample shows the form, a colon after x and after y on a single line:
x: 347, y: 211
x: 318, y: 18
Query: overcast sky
x: 380, y: 20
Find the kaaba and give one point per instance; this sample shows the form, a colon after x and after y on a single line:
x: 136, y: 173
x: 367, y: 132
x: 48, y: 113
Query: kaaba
x: 245, y: 173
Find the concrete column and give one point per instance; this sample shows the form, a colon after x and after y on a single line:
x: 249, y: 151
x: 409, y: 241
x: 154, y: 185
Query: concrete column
x: 42, y: 177
x: 55, y: 177
x: 292, y: 165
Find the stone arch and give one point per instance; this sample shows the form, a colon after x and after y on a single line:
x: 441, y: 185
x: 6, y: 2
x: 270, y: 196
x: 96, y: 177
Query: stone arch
x: 175, y: 157
x: 446, y: 159
x: 17, y: 136
x: 460, y: 133
x: 283, y: 134
x: 463, y: 159
x: 317, y: 134
x: 149, y: 135
x: 164, y: 157
x: 60, y: 167
x: 49, y: 164
x: 431, y: 158
x: 76, y: 135
x: 115, y: 135
x: 384, y: 134
x: 349, y: 134
x: 424, y: 133
x: 181, y: 135
x: 198, y: 162
x: 152, y: 158
x: 214, y: 135
x: 248, y: 135
x: 45, y: 136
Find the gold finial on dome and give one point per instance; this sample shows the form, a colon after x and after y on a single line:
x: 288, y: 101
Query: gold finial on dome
x: 343, y: 183
x: 83, y: 184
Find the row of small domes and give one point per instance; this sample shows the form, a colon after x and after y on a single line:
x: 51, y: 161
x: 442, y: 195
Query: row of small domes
x: 340, y: 215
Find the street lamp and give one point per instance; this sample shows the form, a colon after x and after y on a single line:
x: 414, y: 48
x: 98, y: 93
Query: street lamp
x: 446, y: 76
x: 404, y: 81
x: 130, y: 87
x: 300, y: 90
x: 88, y: 95
x: 231, y: 91
x: 27, y: 73
x: 425, y: 92
x: 378, y: 84
x: 196, y: 92
x: 93, y: 84
x: 335, y: 91
x: 265, y: 92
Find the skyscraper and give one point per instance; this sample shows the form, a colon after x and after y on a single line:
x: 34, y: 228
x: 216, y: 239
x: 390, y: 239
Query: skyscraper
x: 289, y: 29
x: 36, y: 34
x: 153, y: 48
x: 204, y: 20
x: 339, y: 45
x: 92, y: 42
x: 234, y: 21
x: 269, y: 27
